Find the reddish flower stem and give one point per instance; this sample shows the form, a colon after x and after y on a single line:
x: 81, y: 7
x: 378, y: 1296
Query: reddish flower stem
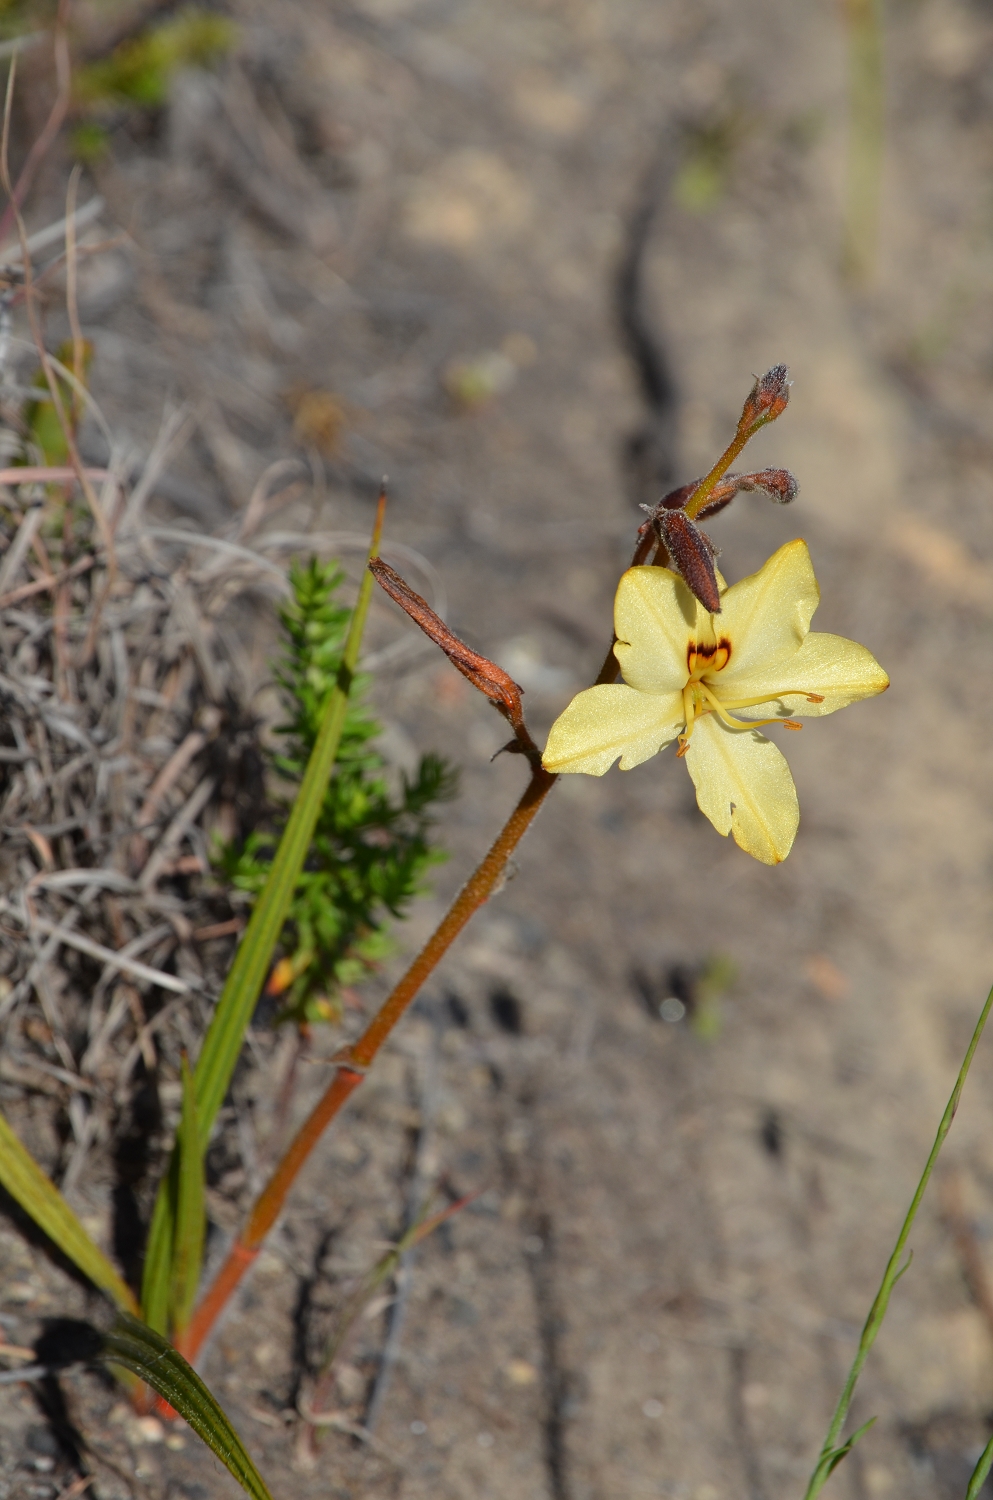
x: 268, y: 1206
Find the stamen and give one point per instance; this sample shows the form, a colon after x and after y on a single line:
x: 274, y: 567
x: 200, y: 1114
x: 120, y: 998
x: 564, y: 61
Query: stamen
x: 720, y: 710
x: 689, y: 710
x: 771, y: 698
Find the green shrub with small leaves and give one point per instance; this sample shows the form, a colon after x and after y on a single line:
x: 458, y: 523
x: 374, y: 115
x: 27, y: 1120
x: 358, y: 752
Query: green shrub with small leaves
x: 139, y: 69
x: 138, y: 73
x: 372, y: 848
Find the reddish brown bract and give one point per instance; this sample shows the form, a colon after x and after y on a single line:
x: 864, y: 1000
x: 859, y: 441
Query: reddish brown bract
x: 498, y: 686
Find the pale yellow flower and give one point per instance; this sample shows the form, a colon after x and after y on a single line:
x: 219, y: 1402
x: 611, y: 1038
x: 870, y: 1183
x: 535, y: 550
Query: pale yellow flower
x: 710, y: 680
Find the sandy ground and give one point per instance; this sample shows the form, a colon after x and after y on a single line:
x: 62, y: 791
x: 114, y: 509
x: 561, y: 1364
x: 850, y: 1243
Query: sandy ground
x: 660, y: 1288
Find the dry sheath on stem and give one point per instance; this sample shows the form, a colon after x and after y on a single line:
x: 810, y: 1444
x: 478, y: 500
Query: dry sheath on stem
x: 491, y: 680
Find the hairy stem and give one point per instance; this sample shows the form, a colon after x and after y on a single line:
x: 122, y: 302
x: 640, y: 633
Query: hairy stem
x: 702, y: 493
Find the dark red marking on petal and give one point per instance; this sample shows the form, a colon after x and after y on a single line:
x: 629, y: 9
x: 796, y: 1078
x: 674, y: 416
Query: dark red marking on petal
x: 706, y: 651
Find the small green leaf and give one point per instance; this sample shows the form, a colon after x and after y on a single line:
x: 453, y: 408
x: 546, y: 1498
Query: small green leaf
x: 24, y: 1180
x: 187, y: 1255
x: 833, y: 1459
x: 904, y: 1268
x: 148, y: 1355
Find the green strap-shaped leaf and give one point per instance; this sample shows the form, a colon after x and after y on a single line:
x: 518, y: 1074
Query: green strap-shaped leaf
x: 156, y: 1277
x: 187, y: 1255
x: 222, y: 1044
x: 24, y: 1180
x: 148, y: 1355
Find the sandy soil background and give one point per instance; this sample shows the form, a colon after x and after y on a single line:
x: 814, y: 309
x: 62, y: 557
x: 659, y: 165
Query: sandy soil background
x: 660, y: 1288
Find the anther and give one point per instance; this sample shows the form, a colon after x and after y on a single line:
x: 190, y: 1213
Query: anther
x: 684, y: 744
x: 815, y: 697
x: 791, y: 724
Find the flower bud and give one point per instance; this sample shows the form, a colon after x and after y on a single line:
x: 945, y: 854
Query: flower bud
x: 777, y: 484
x: 767, y: 401
x: 692, y: 556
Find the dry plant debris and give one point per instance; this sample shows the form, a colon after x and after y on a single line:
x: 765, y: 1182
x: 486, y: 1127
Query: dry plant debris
x: 126, y: 744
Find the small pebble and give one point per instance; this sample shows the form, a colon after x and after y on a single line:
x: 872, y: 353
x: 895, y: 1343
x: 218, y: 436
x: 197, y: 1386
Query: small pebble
x: 147, y: 1430
x: 520, y: 1372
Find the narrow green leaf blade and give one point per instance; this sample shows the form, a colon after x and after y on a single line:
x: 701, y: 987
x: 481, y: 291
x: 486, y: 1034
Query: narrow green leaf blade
x: 148, y: 1355
x: 980, y: 1472
x: 226, y: 1032
x: 877, y: 1312
x: 222, y: 1044
x: 187, y: 1254
x: 25, y: 1181
x: 156, y: 1272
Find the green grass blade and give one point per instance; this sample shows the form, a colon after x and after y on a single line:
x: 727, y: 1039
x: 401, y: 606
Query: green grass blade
x: 980, y: 1472
x: 191, y: 1221
x: 24, y: 1180
x: 830, y: 1452
x: 222, y: 1044
x: 157, y: 1271
x: 148, y: 1355
x: 383, y: 1270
